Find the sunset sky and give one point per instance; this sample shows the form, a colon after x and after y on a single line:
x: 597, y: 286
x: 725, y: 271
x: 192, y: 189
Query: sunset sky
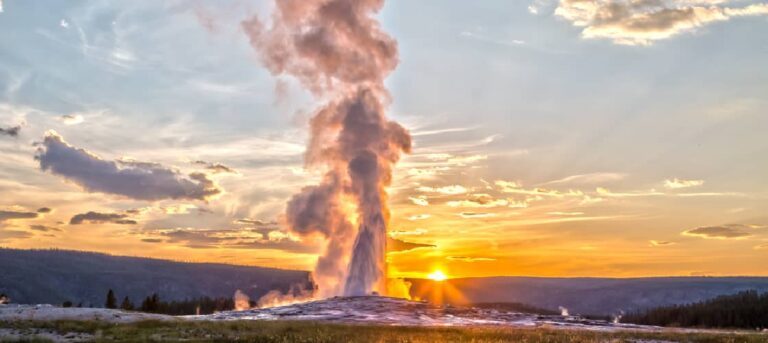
x: 551, y: 138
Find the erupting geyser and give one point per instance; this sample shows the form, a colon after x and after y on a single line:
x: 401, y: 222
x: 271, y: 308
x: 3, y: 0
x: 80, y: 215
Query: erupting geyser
x: 337, y: 50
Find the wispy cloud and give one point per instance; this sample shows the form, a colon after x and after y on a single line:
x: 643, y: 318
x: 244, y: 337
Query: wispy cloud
x: 470, y: 259
x: 479, y: 200
x: 633, y: 22
x: 447, y: 190
x: 655, y: 243
x: 732, y: 231
x: 419, y: 217
x: 420, y: 200
x: 72, y: 119
x: 680, y: 183
x: 476, y: 214
x: 591, y: 178
x: 16, y: 214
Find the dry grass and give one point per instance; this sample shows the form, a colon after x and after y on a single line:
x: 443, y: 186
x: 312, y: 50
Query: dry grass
x: 286, y: 331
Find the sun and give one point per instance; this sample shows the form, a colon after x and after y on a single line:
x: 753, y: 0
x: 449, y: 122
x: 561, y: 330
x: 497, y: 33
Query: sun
x: 437, y: 275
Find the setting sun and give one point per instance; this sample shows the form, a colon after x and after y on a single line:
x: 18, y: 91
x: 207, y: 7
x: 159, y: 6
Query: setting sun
x: 437, y: 276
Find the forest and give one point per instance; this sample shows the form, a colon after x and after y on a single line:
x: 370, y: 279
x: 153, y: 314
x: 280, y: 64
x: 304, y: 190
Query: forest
x: 746, y: 310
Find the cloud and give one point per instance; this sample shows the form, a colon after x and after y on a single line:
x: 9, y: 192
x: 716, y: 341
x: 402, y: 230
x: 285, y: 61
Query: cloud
x: 72, y: 119
x: 678, y: 183
x: 13, y: 234
x: 10, y: 131
x: 479, y: 201
x: 655, y: 243
x: 447, y: 190
x: 257, y: 222
x: 216, y: 168
x: 152, y: 240
x: 591, y: 178
x: 64, y: 23
x: 513, y: 187
x: 733, y: 231
x: 642, y: 22
x: 480, y: 36
x: 396, y: 245
x: 44, y: 210
x: 558, y: 213
x: 235, y: 239
x: 763, y: 246
x: 136, y: 180
x: 608, y: 193
x: 476, y: 214
x: 470, y: 259
x: 43, y: 228
x: 101, y: 218
x: 12, y: 214
x: 416, y: 232
x: 419, y: 217
x: 419, y: 200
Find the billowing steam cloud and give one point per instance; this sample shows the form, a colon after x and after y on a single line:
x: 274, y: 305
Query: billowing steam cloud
x: 337, y: 50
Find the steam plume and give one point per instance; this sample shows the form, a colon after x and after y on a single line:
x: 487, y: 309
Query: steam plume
x: 337, y: 50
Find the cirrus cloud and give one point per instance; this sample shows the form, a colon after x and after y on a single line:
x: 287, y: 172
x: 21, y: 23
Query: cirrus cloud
x: 731, y: 231
x: 680, y: 183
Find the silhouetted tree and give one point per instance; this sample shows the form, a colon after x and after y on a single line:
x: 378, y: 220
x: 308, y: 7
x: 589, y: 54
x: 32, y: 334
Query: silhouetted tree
x: 127, y: 304
x: 202, y: 305
x: 111, y: 300
x: 150, y: 304
x: 66, y: 304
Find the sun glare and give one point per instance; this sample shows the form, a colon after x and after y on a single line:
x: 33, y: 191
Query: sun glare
x: 437, y: 275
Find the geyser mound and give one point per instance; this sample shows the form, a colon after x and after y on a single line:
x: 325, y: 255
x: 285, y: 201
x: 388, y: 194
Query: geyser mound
x: 396, y: 311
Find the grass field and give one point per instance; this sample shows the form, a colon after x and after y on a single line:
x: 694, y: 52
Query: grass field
x: 284, y: 331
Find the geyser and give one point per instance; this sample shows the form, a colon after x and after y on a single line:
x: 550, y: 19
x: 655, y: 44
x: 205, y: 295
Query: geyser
x: 337, y: 50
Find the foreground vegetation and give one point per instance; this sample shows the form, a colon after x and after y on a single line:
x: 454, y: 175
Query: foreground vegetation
x: 747, y: 310
x: 285, y: 331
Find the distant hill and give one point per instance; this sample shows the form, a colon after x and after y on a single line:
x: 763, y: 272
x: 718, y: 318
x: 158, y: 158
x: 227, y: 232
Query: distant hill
x: 55, y: 276
x: 588, y: 296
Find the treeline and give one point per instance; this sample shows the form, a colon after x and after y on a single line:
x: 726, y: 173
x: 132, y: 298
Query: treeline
x: 747, y: 310
x: 153, y: 304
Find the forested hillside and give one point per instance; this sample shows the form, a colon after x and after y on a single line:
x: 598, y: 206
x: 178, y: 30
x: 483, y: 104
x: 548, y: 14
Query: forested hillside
x: 56, y: 276
x: 747, y: 310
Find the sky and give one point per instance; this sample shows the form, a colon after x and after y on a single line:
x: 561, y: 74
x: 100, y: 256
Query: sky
x: 550, y: 138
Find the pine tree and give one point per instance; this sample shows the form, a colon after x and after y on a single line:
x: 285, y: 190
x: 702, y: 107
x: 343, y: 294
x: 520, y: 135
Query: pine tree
x: 127, y: 304
x: 111, y: 300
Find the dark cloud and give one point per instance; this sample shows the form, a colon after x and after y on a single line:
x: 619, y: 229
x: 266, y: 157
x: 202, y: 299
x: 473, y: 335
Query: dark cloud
x: 136, y: 180
x: 233, y: 239
x: 395, y: 245
x: 9, y: 214
x: 13, y: 234
x: 720, y: 232
x: 216, y: 168
x: 256, y: 222
x: 43, y: 228
x: 152, y: 240
x: 44, y: 210
x: 101, y: 218
x: 10, y: 131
